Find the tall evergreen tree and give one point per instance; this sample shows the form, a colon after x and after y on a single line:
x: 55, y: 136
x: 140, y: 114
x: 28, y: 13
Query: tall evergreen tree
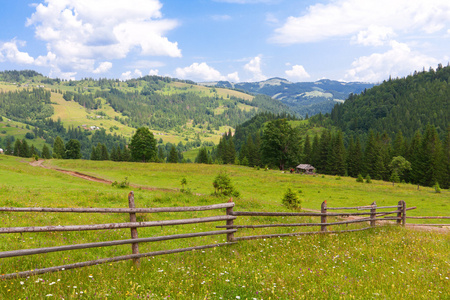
x: 24, y: 149
x: 315, y: 151
x: 431, y: 157
x: 143, y: 145
x: 446, y: 158
x: 173, y: 155
x: 324, y: 150
x: 307, y: 150
x: 59, y: 150
x: 46, y: 152
x: 73, y: 149
x: 202, y: 157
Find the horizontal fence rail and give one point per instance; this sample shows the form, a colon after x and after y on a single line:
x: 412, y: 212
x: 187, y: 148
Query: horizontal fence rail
x: 106, y: 260
x: 118, y: 210
x: 115, y: 225
x: 111, y: 243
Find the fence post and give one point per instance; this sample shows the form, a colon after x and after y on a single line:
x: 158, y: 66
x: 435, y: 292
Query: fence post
x: 323, y: 219
x: 134, y: 233
x: 399, y: 214
x: 373, y: 212
x: 230, y: 236
x: 403, y: 213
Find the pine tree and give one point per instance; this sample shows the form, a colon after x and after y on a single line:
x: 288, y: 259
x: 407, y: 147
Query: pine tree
x: 415, y: 158
x: 59, y: 150
x: 324, y: 150
x: 431, y: 157
x: 17, y: 146
x: 315, y: 151
x: 46, y: 152
x: 202, y: 157
x: 104, y: 152
x: 173, y: 155
x: 446, y: 160
x: 24, y: 149
x: 307, y: 150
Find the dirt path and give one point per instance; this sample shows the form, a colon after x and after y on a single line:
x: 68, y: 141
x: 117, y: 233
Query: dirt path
x: 40, y: 163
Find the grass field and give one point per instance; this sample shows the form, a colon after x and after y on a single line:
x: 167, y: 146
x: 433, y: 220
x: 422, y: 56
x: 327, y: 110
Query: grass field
x: 380, y: 263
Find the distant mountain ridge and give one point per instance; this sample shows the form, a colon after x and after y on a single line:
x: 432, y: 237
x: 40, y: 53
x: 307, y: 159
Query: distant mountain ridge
x: 302, y: 97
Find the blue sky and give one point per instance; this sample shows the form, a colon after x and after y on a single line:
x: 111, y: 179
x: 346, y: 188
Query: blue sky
x: 235, y: 40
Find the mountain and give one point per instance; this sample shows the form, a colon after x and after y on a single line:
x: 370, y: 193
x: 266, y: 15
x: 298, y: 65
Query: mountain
x: 302, y: 97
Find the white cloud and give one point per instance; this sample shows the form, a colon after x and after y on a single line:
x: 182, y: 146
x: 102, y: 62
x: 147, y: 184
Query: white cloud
x: 374, y: 36
x: 85, y: 31
x: 9, y: 51
x: 129, y: 75
x: 398, y: 61
x: 298, y: 73
x: 343, y: 18
x: 103, y: 67
x: 153, y: 72
x: 198, y: 72
x: 203, y: 72
x: 233, y: 77
x: 254, y: 67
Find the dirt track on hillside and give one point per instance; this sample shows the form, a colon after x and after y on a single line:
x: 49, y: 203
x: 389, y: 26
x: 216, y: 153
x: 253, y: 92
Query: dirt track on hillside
x: 39, y: 163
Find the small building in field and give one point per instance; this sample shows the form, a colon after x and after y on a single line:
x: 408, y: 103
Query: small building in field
x: 305, y: 169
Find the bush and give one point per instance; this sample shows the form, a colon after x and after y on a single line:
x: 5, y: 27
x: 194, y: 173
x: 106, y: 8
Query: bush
x: 437, y: 188
x: 368, y: 179
x: 291, y: 200
x: 121, y: 185
x: 223, y: 186
x: 360, y: 178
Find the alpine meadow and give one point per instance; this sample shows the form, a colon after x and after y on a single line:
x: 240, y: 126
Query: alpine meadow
x: 225, y: 149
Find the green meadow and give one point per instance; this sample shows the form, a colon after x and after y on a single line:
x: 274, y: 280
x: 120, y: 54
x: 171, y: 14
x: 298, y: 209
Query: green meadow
x: 388, y: 262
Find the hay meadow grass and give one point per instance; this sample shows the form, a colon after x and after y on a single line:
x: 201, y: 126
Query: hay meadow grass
x: 380, y: 263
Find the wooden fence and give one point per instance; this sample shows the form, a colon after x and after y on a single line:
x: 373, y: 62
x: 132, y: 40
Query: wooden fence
x: 133, y: 224
x: 375, y: 214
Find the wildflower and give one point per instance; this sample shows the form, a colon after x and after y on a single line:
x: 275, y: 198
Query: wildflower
x: 49, y: 295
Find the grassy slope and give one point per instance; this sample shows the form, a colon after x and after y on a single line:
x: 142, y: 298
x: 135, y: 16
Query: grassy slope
x: 391, y: 263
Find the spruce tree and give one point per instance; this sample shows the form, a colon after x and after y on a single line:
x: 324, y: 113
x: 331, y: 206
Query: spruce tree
x: 46, y: 152
x: 59, y: 150
x: 307, y: 150
x: 173, y: 155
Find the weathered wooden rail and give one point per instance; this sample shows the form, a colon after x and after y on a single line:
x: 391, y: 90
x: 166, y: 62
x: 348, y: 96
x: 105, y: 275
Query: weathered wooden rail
x: 133, y: 225
x: 375, y: 214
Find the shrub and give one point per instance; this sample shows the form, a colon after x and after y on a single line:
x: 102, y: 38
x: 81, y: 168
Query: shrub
x: 368, y: 179
x: 223, y: 186
x: 291, y: 200
x: 121, y: 185
x: 437, y: 188
x: 360, y: 178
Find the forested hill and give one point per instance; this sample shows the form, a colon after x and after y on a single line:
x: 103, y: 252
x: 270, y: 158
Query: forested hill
x: 178, y: 111
x: 399, y: 105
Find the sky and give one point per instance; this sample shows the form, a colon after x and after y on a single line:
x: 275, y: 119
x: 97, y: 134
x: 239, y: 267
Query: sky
x: 234, y: 40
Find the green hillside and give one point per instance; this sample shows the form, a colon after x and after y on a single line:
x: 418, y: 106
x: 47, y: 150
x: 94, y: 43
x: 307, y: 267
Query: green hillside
x: 405, y: 104
x: 176, y: 111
